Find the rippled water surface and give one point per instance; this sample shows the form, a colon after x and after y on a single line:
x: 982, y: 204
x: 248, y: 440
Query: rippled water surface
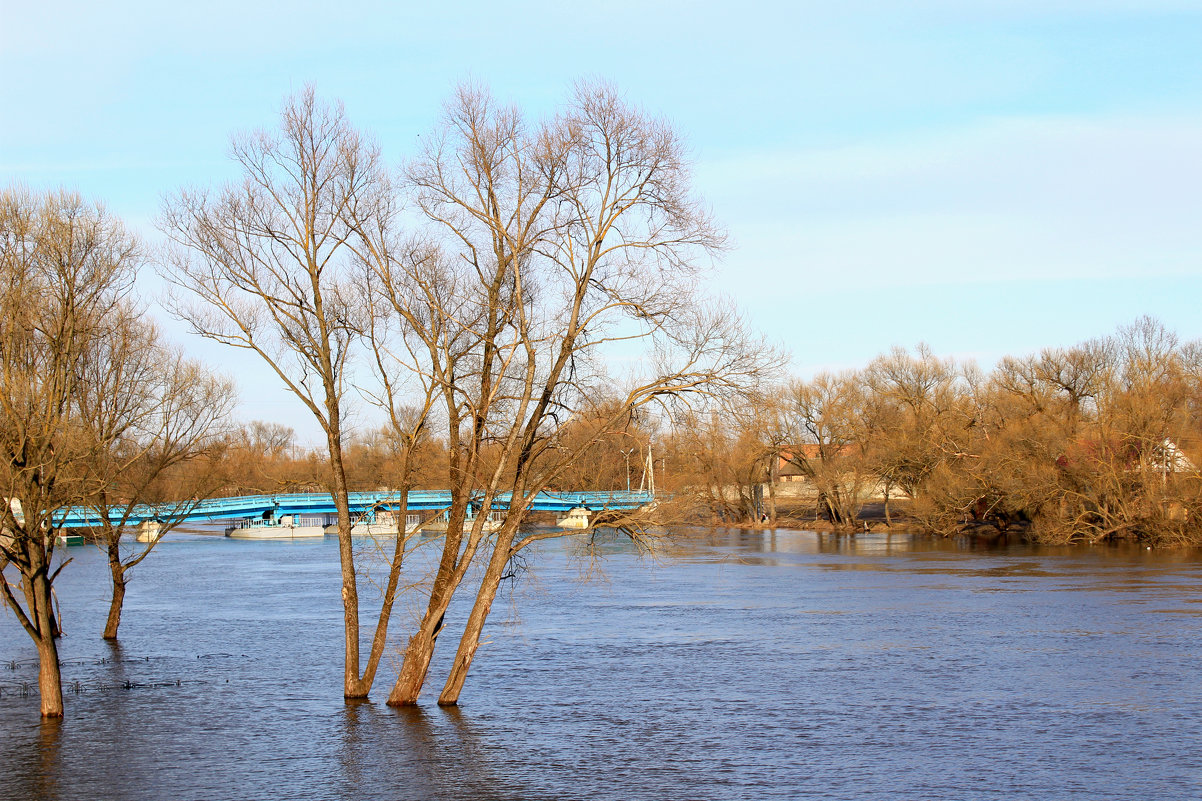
x: 744, y: 665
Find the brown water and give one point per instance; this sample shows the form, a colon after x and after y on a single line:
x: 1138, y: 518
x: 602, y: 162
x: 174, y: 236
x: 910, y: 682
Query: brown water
x: 746, y: 665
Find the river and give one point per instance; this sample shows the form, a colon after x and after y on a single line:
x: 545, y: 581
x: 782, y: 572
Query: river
x: 751, y: 665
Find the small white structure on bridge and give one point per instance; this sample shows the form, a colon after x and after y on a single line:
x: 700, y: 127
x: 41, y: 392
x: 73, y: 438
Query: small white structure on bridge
x: 149, y: 531
x: 575, y: 518
x: 492, y: 522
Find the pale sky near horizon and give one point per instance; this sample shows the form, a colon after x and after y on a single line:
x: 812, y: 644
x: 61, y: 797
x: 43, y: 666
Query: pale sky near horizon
x: 987, y: 176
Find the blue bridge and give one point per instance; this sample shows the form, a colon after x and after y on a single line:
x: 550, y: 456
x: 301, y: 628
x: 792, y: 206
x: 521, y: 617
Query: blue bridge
x: 272, y: 506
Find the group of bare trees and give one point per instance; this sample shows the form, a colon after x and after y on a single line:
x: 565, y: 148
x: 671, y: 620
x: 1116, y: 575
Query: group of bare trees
x: 475, y: 296
x: 1085, y: 443
x: 267, y: 458
x: 1092, y: 442
x: 95, y: 412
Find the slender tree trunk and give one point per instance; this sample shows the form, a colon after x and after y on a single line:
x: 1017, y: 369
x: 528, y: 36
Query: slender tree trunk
x: 773, y: 477
x: 114, y: 618
x: 888, y: 522
x: 118, y: 597
x: 824, y: 507
x: 416, y: 664
x: 470, y: 641
x: 390, y: 591
x: 353, y: 686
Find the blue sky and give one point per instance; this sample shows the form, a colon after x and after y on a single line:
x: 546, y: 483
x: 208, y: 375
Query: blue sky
x: 988, y: 176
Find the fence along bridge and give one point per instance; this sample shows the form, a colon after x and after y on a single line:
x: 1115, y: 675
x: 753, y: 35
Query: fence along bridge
x: 366, y: 504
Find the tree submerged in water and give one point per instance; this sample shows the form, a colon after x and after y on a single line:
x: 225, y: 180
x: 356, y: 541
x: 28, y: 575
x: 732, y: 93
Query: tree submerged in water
x: 559, y: 243
x: 95, y: 412
x: 540, y: 251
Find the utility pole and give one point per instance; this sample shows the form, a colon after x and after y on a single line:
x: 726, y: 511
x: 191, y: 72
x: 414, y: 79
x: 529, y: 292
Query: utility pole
x: 650, y: 471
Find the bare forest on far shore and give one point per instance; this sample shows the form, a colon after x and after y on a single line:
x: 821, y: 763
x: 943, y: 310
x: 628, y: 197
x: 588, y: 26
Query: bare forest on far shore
x: 1097, y: 441
x: 1094, y: 442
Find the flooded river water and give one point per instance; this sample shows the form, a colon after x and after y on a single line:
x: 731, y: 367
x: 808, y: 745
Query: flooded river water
x: 743, y: 665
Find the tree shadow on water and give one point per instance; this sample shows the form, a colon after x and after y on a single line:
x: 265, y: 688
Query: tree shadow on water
x: 49, y: 755
x: 32, y: 764
x: 412, y: 753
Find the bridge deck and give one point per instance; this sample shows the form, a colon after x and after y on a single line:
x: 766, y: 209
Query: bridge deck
x: 321, y: 503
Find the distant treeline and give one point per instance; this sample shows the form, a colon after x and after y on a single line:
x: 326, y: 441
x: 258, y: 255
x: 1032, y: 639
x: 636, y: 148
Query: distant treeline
x: 265, y: 457
x: 1087, y: 443
x: 1098, y: 441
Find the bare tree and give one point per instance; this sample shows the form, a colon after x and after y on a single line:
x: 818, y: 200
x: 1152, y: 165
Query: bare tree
x: 563, y: 240
x: 274, y: 439
x: 830, y: 445
x: 610, y: 456
x: 552, y: 244
x: 918, y: 397
x: 406, y: 393
x: 65, y: 266
x: 268, y: 265
x: 147, y: 411
x: 720, y: 457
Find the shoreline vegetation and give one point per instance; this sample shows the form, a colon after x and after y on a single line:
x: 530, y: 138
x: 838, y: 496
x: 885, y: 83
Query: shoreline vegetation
x: 1097, y: 442
x: 1094, y: 442
x: 871, y: 520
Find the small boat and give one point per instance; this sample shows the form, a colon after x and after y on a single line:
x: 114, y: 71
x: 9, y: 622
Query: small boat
x: 287, y: 527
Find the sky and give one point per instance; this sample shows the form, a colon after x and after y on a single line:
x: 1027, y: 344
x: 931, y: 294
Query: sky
x: 987, y: 176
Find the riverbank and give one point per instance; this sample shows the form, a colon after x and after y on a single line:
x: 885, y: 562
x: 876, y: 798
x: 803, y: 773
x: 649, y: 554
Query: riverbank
x: 872, y: 518
x: 803, y: 515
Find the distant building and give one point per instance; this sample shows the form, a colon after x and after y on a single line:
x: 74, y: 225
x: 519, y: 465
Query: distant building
x: 787, y: 469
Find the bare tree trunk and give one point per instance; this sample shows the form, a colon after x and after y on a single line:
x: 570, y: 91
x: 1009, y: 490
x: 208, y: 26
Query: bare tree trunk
x: 50, y: 680
x: 416, y: 664
x: 353, y: 686
x: 118, y: 599
x: 390, y: 591
x: 470, y: 641
x: 888, y: 521
x: 420, y: 649
x: 773, y: 477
